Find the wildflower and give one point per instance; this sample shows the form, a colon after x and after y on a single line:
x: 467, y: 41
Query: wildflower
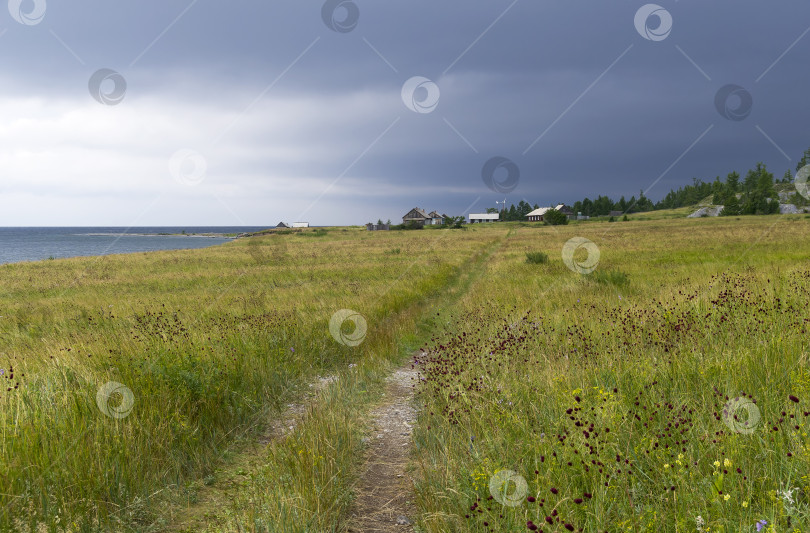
x: 726, y: 497
x: 727, y: 463
x: 793, y: 399
x: 717, y: 464
x: 700, y: 523
x: 787, y: 496
x: 744, y: 504
x: 761, y: 524
x: 666, y: 466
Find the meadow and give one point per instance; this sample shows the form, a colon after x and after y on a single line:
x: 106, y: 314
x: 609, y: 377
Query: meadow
x: 664, y: 388
x: 130, y: 377
x: 646, y: 375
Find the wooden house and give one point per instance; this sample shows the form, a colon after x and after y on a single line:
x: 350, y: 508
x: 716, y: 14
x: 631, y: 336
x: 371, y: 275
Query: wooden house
x: 435, y: 218
x: 416, y: 216
x: 565, y: 210
x: 538, y: 214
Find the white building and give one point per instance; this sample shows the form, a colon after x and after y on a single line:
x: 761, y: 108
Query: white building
x: 300, y: 224
x: 483, y: 217
x: 538, y: 214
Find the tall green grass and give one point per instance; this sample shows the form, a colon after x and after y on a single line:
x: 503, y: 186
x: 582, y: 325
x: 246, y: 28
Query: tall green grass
x: 207, y: 345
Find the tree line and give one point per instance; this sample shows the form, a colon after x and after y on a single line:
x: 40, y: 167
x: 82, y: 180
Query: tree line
x: 753, y: 195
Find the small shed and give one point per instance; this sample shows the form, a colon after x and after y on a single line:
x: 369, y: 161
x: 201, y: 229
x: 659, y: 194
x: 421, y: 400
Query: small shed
x: 377, y: 227
x: 282, y: 225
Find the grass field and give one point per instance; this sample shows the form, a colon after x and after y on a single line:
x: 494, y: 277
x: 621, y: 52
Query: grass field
x: 586, y: 396
x: 205, y: 343
x: 595, y: 402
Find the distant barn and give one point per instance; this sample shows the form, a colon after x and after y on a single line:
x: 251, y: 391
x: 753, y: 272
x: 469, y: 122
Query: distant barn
x: 538, y: 214
x: 282, y: 225
x: 478, y: 218
x: 300, y: 224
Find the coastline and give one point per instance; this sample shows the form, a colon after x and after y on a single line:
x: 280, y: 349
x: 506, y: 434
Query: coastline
x: 25, y: 244
x: 208, y: 235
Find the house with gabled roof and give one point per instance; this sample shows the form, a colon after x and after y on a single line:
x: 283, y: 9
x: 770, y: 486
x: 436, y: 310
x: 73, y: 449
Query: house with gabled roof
x: 565, y: 210
x: 435, y: 218
x: 415, y: 216
x: 538, y: 214
x: 423, y: 218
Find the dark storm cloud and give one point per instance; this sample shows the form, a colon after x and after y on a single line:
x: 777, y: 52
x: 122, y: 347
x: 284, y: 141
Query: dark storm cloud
x: 569, y: 91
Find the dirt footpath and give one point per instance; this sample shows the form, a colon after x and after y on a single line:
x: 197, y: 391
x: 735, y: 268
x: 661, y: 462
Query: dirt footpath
x: 385, y: 491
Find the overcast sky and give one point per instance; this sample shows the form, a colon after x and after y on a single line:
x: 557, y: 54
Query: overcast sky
x: 251, y: 112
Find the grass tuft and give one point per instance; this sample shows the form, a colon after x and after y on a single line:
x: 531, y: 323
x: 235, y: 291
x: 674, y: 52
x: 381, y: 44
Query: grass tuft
x: 610, y: 277
x: 536, y: 258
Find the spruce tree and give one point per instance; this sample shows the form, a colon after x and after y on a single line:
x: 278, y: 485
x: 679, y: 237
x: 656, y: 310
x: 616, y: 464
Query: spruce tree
x: 731, y: 206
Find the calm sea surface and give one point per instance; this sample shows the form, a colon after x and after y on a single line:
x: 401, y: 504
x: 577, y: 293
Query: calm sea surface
x: 34, y: 244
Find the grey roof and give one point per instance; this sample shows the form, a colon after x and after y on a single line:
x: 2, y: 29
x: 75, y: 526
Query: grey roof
x: 419, y: 211
x: 538, y: 212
